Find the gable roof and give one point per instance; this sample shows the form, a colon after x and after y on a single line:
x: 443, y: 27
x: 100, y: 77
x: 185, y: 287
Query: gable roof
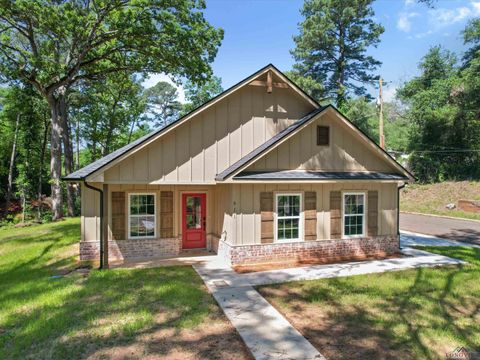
x: 117, y: 155
x: 241, y: 164
x: 247, y: 159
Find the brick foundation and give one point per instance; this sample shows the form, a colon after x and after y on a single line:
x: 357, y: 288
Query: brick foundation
x: 320, y: 250
x: 131, y: 249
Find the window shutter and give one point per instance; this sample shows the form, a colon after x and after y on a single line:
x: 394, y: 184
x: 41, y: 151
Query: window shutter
x: 335, y: 214
x: 266, y: 211
x: 310, y: 213
x: 372, y: 219
x: 166, y: 214
x: 118, y: 215
x: 323, y: 135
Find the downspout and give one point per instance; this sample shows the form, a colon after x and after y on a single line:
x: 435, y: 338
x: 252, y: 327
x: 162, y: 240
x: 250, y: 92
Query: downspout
x: 398, y: 211
x: 101, y: 221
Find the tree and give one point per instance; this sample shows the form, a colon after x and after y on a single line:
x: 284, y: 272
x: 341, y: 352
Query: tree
x: 363, y: 114
x: 331, y: 48
x: 53, y: 45
x: 198, y: 94
x: 108, y: 110
x: 162, y: 103
x: 307, y: 84
x: 444, y: 137
x: 23, y: 122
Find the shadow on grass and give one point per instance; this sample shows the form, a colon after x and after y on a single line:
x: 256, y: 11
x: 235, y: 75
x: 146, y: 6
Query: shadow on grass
x: 419, y: 313
x: 78, y: 317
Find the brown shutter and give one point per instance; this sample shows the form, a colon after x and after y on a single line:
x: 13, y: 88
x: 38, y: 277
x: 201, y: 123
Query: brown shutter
x: 372, y: 219
x: 166, y: 214
x: 310, y: 213
x: 335, y: 214
x: 266, y: 211
x: 118, y: 215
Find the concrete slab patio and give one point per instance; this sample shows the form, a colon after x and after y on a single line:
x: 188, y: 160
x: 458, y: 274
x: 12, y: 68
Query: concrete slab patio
x: 415, y: 258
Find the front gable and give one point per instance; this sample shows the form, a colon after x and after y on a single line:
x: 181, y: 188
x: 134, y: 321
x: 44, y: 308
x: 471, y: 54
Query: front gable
x: 215, y: 138
x: 346, y: 151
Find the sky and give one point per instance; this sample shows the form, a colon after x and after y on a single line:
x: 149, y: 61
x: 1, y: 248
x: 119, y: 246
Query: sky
x: 258, y: 32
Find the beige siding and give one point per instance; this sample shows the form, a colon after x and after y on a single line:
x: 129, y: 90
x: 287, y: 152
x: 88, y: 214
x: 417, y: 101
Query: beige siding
x: 233, y: 211
x: 90, y: 221
x: 346, y: 152
x: 207, y: 144
x: 245, y: 228
x: 90, y: 214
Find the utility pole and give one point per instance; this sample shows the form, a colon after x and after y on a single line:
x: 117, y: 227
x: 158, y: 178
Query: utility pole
x: 380, y: 133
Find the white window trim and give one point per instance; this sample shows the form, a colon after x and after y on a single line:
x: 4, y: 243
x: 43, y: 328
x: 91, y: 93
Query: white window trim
x: 364, y: 215
x: 130, y: 237
x: 300, y: 225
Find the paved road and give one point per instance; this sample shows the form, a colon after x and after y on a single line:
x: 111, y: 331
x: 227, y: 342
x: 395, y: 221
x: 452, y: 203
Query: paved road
x: 455, y: 229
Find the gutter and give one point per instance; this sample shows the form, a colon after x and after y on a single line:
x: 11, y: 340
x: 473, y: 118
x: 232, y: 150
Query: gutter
x: 398, y: 207
x: 102, y: 250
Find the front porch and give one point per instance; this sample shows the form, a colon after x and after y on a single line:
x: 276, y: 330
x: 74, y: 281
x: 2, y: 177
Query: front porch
x: 185, y: 257
x: 149, y: 222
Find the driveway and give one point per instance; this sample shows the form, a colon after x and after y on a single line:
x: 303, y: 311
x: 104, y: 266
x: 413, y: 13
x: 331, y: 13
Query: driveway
x: 454, y: 229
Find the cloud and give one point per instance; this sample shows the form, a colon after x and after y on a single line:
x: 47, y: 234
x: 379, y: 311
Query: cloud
x: 423, y: 34
x: 403, y: 22
x: 153, y: 79
x: 476, y: 7
x: 409, y: 2
x: 442, y: 17
x: 389, y: 93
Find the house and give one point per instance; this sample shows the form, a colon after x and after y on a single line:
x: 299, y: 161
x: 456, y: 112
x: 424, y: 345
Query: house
x: 260, y: 173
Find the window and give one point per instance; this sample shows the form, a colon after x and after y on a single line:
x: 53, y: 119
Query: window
x: 353, y: 214
x: 323, y: 135
x: 141, y: 216
x: 288, y: 216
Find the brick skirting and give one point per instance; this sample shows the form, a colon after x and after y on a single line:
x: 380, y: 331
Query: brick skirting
x: 131, y: 249
x: 320, y: 250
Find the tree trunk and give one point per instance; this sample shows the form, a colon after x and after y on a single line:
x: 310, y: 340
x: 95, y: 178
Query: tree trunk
x: 77, y: 147
x: 56, y: 158
x: 67, y: 152
x: 40, y: 173
x: 131, y: 130
x: 12, y: 166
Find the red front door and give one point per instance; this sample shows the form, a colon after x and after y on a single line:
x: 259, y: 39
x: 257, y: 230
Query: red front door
x: 194, y: 221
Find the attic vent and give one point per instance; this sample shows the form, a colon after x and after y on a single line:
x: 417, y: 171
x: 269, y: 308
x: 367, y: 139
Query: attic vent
x: 323, y: 135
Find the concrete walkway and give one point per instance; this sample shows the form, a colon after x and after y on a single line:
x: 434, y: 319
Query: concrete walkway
x: 415, y: 259
x: 264, y: 330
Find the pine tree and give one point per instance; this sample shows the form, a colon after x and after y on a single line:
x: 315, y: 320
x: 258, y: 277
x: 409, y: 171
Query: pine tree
x: 332, y: 45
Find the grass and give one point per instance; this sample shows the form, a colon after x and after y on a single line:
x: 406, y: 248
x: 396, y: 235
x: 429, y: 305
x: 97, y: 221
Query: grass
x: 108, y: 314
x: 432, y: 198
x: 415, y: 314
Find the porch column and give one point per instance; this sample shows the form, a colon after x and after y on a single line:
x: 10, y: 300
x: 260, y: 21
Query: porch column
x: 105, y: 226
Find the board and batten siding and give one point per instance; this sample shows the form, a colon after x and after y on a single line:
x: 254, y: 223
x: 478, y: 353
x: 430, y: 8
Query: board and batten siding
x: 245, y: 228
x: 233, y: 210
x: 216, y: 208
x: 205, y: 145
x: 346, y: 152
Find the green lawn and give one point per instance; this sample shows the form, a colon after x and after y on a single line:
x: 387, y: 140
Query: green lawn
x: 432, y: 198
x: 419, y: 314
x: 165, y: 312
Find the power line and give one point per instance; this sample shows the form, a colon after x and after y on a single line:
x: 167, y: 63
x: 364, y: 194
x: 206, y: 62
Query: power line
x: 435, y: 151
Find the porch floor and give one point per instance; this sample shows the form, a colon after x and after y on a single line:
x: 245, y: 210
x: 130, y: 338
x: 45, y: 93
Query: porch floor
x: 186, y: 257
